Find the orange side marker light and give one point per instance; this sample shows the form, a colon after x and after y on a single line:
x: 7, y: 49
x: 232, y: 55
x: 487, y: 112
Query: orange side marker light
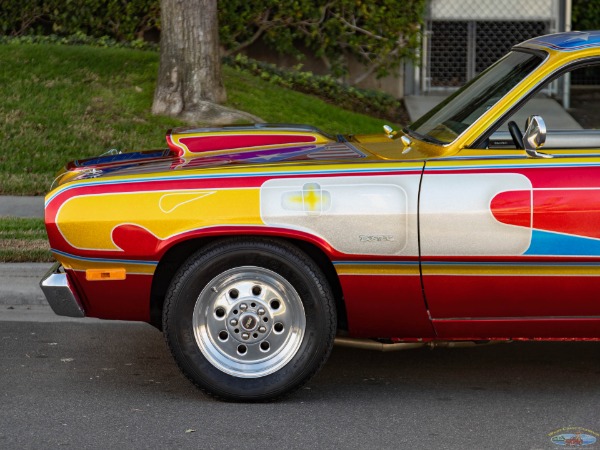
x: 105, y: 274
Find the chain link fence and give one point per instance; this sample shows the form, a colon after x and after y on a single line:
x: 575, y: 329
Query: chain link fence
x: 588, y: 77
x: 464, y: 37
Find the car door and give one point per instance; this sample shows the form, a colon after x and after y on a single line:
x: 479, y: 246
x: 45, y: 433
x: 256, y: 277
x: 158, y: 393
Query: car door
x: 368, y: 221
x: 510, y: 245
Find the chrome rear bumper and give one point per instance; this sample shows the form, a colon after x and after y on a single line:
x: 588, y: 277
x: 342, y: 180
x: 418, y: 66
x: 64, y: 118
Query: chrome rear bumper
x: 60, y: 295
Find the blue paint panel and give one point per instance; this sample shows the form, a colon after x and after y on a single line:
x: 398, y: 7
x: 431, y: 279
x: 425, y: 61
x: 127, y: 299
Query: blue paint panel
x: 557, y: 244
x: 573, y: 40
x: 121, y: 157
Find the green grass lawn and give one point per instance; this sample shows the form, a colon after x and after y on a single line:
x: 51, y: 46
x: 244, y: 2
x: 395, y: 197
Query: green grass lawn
x: 70, y: 102
x: 23, y: 240
x: 67, y: 102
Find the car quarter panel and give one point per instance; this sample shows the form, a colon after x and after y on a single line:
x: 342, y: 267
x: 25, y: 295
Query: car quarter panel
x: 364, y: 218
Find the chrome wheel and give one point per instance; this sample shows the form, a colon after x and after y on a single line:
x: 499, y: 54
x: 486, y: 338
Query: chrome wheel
x: 249, y: 322
x: 249, y: 318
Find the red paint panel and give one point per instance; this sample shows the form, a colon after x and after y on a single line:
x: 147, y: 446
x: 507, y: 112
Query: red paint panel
x: 557, y: 177
x: 385, y: 306
x: 552, y: 329
x: 507, y: 296
x: 136, y: 241
x: 175, y: 148
x: 224, y: 142
x: 127, y: 299
x: 550, y: 176
x: 569, y: 211
x: 512, y: 208
x: 573, y: 211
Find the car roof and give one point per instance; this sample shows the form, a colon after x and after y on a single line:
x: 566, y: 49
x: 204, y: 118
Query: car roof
x: 567, y: 42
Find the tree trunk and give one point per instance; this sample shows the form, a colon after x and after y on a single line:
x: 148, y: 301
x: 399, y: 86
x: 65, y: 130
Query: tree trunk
x: 189, y: 82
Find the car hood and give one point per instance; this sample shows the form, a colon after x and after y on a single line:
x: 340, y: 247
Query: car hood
x: 218, y: 147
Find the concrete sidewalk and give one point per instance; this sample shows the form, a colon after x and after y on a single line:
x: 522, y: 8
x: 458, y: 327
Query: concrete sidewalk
x: 21, y: 206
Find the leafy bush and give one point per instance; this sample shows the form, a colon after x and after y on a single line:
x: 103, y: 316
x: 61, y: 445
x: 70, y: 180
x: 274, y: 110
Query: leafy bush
x: 119, y: 19
x: 586, y: 15
x: 78, y: 39
x: 377, y: 33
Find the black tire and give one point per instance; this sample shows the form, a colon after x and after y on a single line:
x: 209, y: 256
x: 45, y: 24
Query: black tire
x: 249, y: 279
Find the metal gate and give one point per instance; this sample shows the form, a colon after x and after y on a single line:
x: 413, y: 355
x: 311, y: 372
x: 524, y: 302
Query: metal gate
x: 464, y: 37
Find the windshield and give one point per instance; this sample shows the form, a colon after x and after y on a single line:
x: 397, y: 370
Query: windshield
x: 450, y: 118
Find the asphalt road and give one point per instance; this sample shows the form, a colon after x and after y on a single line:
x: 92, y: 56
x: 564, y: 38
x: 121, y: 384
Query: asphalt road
x: 93, y: 384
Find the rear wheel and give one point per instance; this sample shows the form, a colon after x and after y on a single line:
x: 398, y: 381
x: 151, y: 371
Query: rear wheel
x: 249, y: 319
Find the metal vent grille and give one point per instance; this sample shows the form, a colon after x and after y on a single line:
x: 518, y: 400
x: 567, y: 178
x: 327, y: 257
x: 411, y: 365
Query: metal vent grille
x: 336, y: 151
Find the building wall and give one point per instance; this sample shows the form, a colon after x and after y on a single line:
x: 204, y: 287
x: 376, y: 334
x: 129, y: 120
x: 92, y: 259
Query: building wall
x: 393, y: 84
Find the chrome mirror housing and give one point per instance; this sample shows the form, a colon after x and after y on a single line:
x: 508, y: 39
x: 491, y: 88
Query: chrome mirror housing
x: 535, y: 137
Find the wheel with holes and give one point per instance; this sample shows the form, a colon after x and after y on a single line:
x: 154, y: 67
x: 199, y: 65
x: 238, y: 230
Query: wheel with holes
x: 249, y: 319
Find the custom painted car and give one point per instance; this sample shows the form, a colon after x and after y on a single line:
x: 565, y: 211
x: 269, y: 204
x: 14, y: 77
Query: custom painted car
x: 253, y: 247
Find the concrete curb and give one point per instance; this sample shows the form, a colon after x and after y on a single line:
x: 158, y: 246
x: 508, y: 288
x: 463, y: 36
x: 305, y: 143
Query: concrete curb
x: 19, y: 282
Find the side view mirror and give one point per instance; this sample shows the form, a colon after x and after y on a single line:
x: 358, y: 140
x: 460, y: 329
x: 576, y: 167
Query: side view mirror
x: 535, y: 137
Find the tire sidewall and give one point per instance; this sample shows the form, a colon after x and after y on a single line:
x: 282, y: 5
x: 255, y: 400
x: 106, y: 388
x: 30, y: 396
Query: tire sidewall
x: 306, y: 279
